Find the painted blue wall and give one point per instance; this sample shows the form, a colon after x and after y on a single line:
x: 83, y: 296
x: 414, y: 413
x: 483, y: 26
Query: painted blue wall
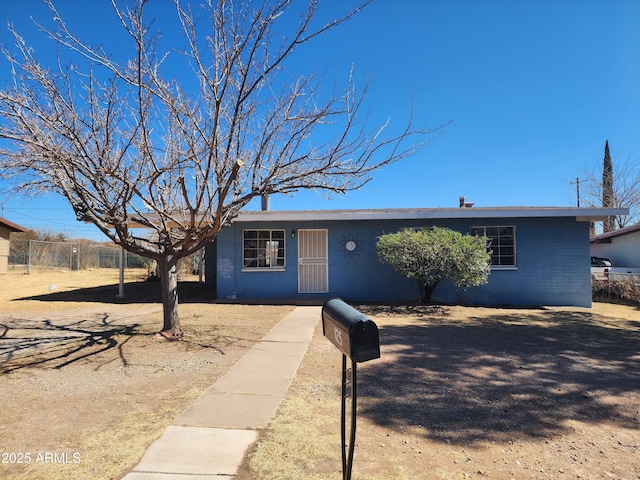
x: 552, y: 264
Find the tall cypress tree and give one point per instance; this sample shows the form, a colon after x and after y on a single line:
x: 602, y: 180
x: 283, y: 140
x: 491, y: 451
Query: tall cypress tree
x: 607, y: 188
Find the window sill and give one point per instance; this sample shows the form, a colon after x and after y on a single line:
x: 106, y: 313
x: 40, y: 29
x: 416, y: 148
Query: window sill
x: 264, y: 269
x: 504, y: 268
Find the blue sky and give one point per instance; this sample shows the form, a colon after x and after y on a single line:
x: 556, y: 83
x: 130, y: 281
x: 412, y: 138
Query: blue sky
x: 532, y: 90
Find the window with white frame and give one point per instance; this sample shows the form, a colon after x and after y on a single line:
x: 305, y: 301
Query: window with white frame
x: 263, y: 249
x: 502, y: 243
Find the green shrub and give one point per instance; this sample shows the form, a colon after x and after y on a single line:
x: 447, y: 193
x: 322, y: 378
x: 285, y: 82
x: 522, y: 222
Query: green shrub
x: 434, y: 254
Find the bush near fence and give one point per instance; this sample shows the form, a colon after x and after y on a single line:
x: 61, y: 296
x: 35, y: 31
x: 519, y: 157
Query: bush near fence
x: 624, y: 290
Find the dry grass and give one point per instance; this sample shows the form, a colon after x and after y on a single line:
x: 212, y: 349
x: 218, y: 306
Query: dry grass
x: 81, y: 372
x: 622, y: 289
x: 458, y: 393
x: 22, y: 292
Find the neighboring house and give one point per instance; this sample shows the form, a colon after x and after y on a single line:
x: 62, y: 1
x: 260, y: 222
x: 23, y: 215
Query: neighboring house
x: 6, y: 227
x: 540, y: 255
x: 622, y: 246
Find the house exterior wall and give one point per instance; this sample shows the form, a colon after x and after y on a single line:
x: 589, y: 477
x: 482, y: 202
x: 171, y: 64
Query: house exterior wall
x: 552, y: 264
x: 4, y: 249
x: 623, y: 251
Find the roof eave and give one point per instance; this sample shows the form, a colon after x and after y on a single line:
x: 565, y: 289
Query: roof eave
x: 580, y: 214
x: 13, y: 227
x: 615, y: 233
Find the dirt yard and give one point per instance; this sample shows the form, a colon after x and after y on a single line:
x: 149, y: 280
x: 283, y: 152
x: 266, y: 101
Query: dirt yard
x: 459, y: 393
x: 470, y: 393
x: 84, y: 385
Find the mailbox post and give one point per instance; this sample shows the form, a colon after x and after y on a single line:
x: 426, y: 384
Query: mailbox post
x: 356, y: 337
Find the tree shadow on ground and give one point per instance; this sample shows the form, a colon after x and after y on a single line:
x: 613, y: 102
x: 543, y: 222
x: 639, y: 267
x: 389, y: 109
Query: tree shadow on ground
x: 58, y: 342
x: 419, y: 310
x: 505, y: 377
x: 134, y: 292
x: 32, y: 343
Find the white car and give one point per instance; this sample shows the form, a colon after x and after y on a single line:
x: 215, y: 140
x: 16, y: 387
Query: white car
x: 600, y: 268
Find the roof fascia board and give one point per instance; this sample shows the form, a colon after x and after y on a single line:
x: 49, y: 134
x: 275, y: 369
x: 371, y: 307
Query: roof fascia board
x: 580, y: 214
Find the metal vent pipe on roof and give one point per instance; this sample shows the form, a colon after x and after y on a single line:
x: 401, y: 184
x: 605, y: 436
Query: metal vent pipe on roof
x: 266, y: 203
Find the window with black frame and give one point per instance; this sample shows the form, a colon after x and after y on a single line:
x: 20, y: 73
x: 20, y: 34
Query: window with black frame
x: 263, y: 249
x: 502, y: 243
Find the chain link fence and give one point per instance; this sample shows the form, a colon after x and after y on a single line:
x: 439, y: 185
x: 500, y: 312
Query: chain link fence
x: 37, y: 254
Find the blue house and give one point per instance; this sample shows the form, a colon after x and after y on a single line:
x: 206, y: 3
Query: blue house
x: 540, y: 255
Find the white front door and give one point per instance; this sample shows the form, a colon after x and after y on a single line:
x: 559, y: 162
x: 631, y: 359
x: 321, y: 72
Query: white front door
x: 313, y: 267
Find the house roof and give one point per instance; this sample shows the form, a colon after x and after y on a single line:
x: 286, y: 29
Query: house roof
x: 581, y: 214
x: 606, y: 237
x: 13, y: 227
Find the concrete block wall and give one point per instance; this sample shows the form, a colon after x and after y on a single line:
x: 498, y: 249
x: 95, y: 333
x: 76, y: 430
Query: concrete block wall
x: 552, y: 264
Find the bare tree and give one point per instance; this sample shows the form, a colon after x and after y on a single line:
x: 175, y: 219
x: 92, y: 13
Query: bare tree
x: 614, y: 186
x: 129, y: 143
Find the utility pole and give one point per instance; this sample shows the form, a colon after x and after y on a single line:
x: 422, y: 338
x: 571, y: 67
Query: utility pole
x: 577, y: 182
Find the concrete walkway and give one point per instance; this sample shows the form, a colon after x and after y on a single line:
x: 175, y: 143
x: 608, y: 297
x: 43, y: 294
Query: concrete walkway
x: 210, y: 438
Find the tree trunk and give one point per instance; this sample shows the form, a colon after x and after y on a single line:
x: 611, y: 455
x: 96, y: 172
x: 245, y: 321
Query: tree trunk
x: 169, y: 284
x: 426, y: 290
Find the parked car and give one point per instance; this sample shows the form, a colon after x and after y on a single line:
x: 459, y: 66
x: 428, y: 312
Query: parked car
x: 600, y: 262
x: 600, y: 268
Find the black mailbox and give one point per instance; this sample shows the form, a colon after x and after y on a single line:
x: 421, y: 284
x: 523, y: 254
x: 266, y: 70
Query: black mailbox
x: 350, y: 330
